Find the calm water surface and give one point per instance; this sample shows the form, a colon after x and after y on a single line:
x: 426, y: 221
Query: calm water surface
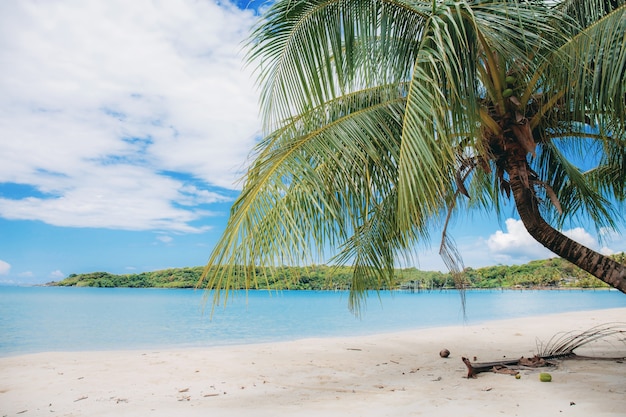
x: 37, y: 319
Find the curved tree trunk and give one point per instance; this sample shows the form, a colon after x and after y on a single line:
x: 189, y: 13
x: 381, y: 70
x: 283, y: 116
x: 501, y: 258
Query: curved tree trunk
x: 600, y: 266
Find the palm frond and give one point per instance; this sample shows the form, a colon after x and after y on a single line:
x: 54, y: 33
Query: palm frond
x: 587, y: 12
x: 433, y: 121
x: 324, y: 181
x: 574, y: 189
x: 446, y: 90
x: 564, y: 344
x: 595, y: 78
x: 373, y: 250
x: 308, y: 52
x: 608, y: 177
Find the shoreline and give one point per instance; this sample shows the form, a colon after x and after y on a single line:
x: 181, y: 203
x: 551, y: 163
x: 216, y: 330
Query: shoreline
x: 394, y: 374
x: 55, y: 284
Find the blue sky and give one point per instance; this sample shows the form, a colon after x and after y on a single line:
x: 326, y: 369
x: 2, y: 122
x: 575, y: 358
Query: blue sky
x: 124, y: 128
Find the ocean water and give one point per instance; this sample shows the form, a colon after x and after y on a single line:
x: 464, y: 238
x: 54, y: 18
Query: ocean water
x: 39, y: 319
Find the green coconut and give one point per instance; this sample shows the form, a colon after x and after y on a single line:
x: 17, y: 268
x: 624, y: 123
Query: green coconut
x: 507, y: 93
x: 545, y: 377
x: 510, y: 79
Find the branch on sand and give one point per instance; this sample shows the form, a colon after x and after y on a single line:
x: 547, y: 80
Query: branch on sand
x: 560, y: 346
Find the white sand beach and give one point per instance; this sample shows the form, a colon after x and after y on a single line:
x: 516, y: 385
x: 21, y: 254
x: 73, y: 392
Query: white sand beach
x: 398, y: 374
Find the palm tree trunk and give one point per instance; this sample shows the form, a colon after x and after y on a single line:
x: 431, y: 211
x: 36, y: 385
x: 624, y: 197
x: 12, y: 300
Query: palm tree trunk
x: 598, y: 265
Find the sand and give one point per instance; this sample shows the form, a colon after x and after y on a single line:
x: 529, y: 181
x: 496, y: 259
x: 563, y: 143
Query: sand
x: 398, y: 374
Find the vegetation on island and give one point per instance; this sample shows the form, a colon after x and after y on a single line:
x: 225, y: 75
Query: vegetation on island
x: 549, y: 273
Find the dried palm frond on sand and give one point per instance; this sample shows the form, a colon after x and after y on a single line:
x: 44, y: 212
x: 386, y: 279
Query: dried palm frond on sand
x: 564, y: 344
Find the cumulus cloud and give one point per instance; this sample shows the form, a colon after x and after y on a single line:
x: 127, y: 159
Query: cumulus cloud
x: 57, y: 274
x: 515, y: 245
x: 132, y: 115
x: 5, y: 267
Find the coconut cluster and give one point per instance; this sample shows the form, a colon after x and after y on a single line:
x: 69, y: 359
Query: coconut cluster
x: 510, y: 83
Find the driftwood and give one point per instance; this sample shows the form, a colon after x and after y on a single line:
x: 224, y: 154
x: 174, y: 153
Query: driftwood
x: 510, y: 366
x: 560, y: 346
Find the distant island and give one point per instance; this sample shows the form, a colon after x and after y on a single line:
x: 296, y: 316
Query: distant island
x: 548, y: 273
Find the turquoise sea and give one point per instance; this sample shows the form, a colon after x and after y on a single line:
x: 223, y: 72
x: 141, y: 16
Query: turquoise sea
x: 38, y: 319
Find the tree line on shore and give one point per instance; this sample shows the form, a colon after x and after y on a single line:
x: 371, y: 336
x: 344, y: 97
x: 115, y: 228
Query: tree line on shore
x: 548, y: 273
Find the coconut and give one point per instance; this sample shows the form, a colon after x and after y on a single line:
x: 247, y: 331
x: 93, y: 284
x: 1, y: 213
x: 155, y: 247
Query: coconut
x: 545, y: 377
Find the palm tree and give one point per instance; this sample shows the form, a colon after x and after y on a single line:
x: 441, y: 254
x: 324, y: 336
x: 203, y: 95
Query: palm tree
x: 384, y: 118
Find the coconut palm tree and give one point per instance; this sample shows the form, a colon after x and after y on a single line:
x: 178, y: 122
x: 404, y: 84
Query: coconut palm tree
x: 384, y: 118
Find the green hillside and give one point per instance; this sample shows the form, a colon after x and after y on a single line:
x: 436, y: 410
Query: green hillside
x: 548, y: 273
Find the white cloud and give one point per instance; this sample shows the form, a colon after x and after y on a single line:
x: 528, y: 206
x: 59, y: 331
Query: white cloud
x: 123, y: 197
x: 513, y: 246
x: 165, y: 238
x: 5, y: 267
x: 517, y: 246
x: 126, y: 114
x: 57, y: 274
x: 616, y: 238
